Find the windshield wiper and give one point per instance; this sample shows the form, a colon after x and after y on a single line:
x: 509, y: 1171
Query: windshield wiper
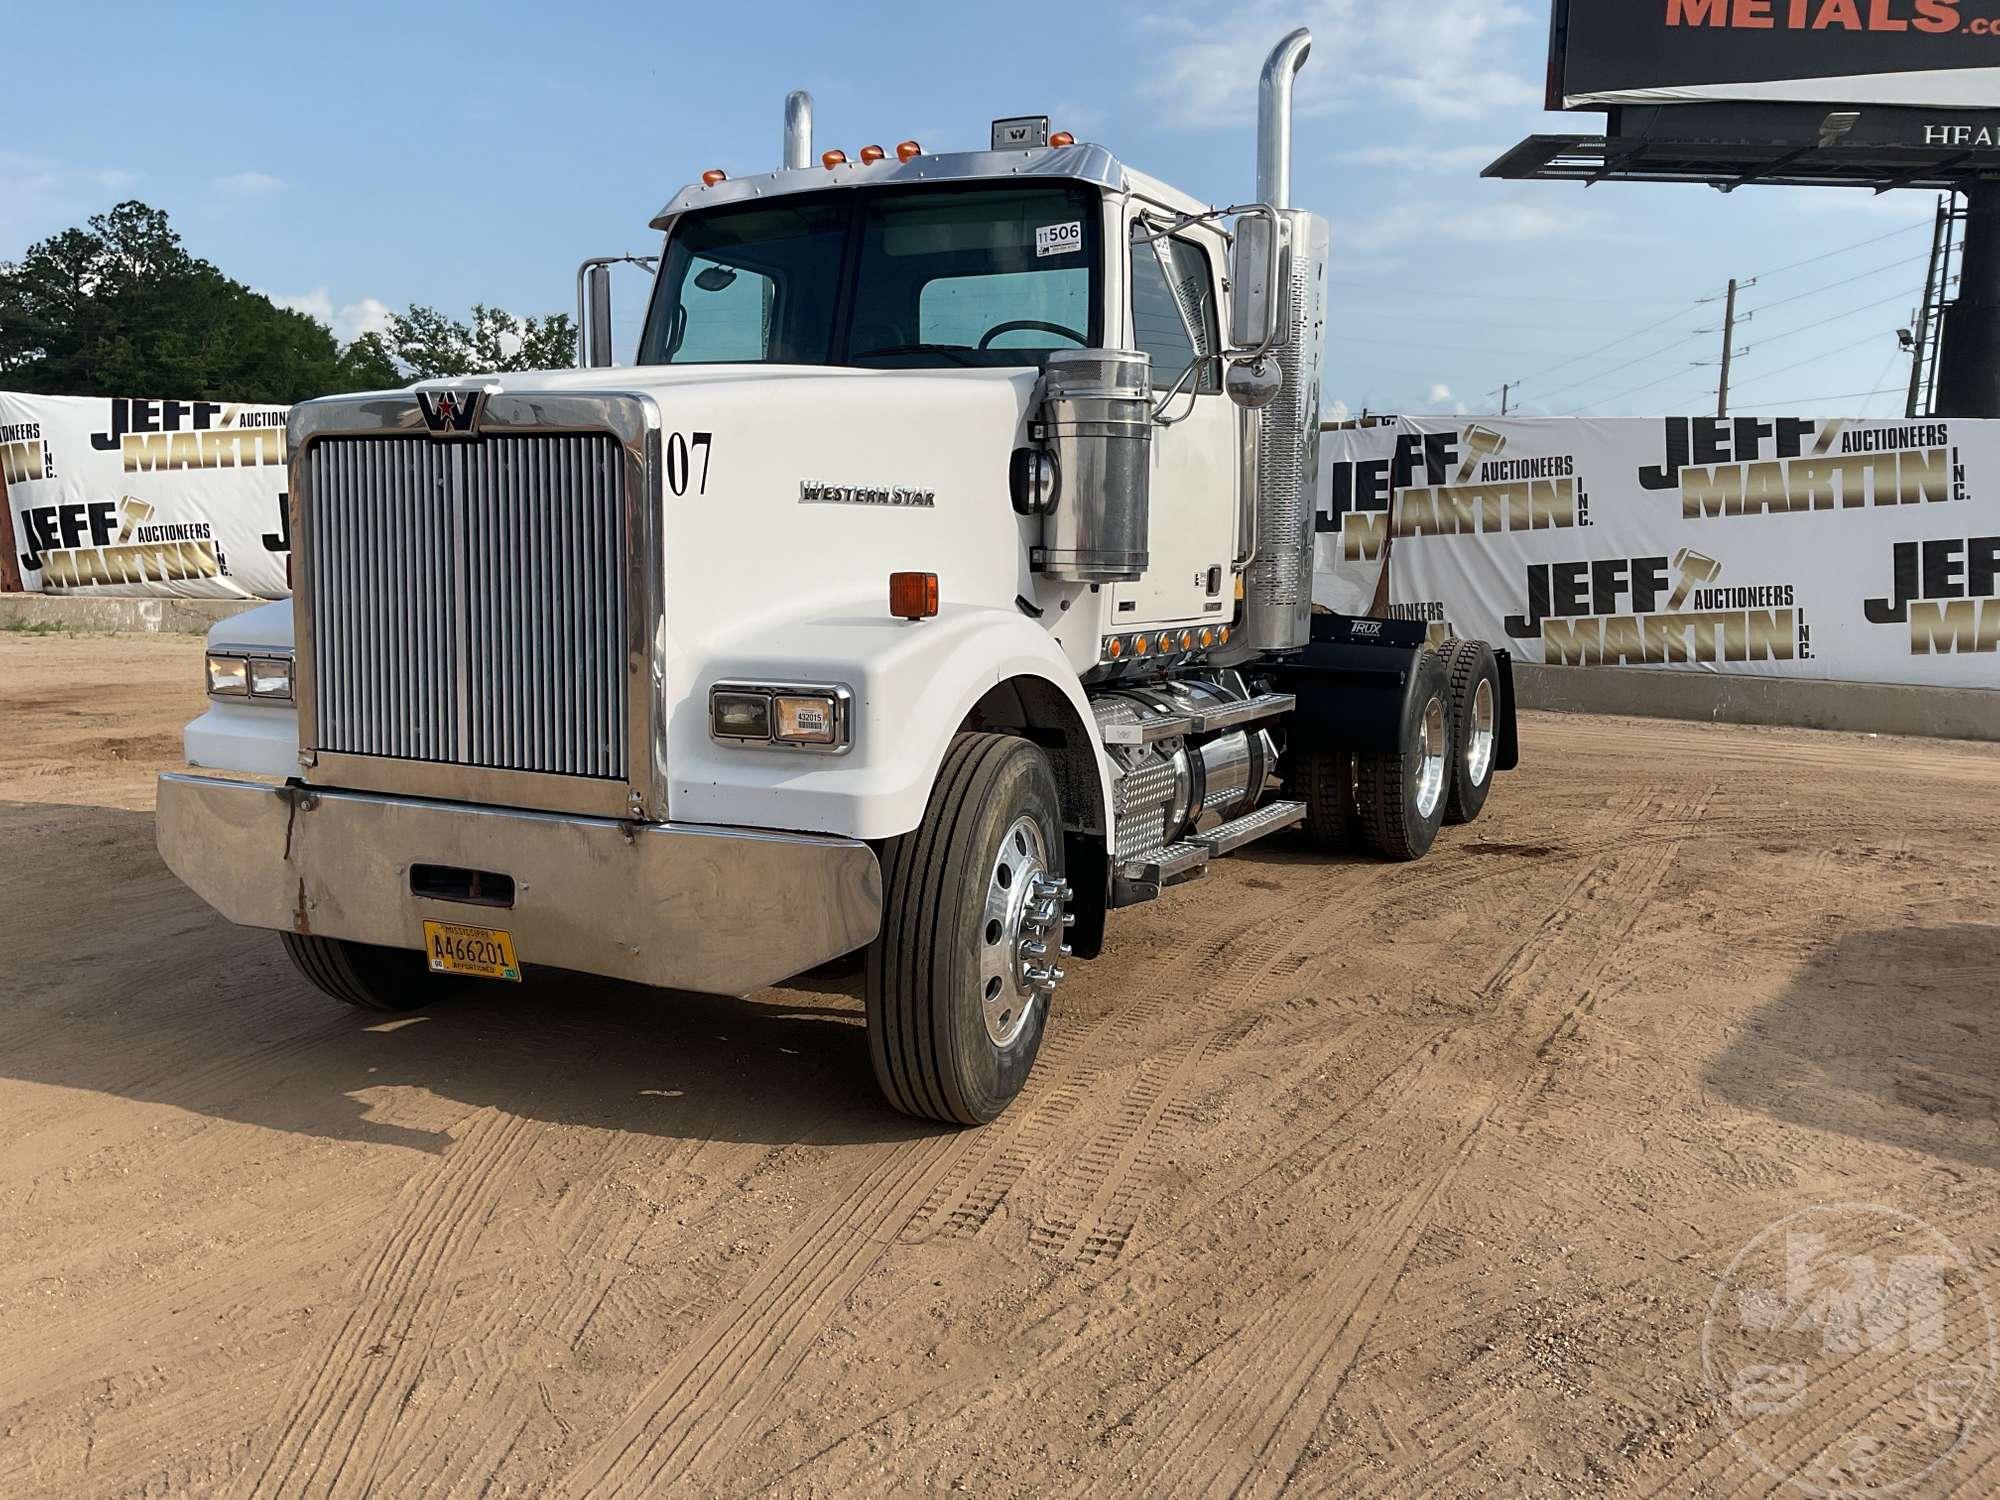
x: 957, y: 352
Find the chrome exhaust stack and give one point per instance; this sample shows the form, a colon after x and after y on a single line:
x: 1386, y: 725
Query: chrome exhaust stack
x: 1277, y: 593
x: 1274, y: 118
x: 798, y: 130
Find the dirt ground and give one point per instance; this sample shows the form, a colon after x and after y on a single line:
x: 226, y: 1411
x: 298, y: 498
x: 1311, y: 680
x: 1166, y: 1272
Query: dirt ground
x: 1334, y: 1176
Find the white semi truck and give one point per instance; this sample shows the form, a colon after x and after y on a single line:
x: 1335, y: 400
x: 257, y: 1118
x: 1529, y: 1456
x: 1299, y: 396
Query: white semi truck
x: 937, y: 581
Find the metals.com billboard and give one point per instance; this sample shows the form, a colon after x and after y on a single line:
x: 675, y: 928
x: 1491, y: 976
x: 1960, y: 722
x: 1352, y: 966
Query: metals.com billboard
x: 1934, y: 54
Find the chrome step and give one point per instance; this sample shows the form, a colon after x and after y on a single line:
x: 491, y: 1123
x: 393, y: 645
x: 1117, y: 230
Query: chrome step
x: 1263, y: 706
x: 1148, y: 731
x: 1252, y: 826
x: 1172, y: 863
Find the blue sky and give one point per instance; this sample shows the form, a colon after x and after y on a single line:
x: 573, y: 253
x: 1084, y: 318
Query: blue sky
x: 355, y: 157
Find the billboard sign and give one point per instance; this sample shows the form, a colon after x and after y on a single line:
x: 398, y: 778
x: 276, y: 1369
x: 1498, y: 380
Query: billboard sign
x: 1922, y: 54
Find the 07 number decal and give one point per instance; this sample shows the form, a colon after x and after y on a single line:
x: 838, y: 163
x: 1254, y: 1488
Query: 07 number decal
x: 680, y: 461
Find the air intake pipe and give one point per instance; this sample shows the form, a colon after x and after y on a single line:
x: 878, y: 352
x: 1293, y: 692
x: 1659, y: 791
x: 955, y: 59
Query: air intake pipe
x: 798, y: 129
x: 1277, y: 593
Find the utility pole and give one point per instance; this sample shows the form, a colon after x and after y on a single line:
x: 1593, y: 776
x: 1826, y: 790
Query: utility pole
x: 1728, y: 348
x: 1503, y: 397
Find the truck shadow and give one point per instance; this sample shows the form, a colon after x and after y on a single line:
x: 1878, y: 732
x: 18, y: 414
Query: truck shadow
x: 1891, y: 1036
x: 117, y: 980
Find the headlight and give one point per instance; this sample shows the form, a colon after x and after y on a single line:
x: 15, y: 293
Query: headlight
x: 783, y: 716
x: 271, y: 677
x: 228, y: 676
x: 245, y: 673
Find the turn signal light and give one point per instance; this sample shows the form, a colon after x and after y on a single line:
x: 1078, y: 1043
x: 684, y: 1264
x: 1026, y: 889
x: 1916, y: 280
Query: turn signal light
x: 871, y: 154
x: 833, y: 158
x: 712, y: 176
x: 907, y: 149
x: 1062, y: 138
x: 913, y: 596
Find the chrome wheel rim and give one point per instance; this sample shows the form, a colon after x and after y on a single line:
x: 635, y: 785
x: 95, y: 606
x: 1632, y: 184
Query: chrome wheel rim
x: 1479, y: 734
x: 1020, y: 936
x: 1432, y: 754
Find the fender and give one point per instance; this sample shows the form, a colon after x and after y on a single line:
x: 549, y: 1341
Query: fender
x: 913, y: 683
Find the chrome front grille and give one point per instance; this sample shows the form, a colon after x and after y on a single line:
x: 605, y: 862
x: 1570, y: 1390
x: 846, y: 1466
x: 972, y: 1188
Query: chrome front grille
x: 468, y: 601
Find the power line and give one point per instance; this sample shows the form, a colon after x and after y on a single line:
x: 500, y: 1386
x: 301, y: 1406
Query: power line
x: 1430, y: 293
x: 1810, y: 359
x: 1699, y: 333
x: 1811, y: 260
x: 1577, y: 411
x: 1803, y: 401
x: 1836, y: 285
x: 1835, y: 318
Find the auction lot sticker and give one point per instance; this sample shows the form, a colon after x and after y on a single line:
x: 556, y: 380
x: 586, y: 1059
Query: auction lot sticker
x: 1850, y: 1350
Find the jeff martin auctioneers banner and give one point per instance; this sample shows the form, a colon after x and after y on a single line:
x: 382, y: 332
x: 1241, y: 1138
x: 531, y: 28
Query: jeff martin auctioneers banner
x: 152, y: 497
x: 1863, y: 550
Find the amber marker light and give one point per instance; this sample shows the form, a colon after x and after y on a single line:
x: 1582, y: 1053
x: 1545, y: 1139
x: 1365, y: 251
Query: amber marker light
x: 1207, y: 638
x: 712, y: 176
x: 913, y: 596
x: 1222, y: 636
x: 833, y: 158
x: 871, y: 154
x: 1187, y: 640
x: 1114, y: 648
x: 905, y: 150
x: 1062, y: 138
x: 1141, y: 645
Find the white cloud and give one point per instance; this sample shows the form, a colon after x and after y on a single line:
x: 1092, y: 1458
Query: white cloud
x: 38, y: 195
x: 1434, y: 56
x: 348, y: 322
x: 1508, y: 221
x: 1439, y: 394
x: 247, y: 184
x: 1421, y: 158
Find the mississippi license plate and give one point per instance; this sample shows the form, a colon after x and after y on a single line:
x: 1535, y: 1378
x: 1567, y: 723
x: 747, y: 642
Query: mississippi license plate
x: 483, y: 952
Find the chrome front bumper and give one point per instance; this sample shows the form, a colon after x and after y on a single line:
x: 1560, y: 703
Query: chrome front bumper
x: 721, y: 910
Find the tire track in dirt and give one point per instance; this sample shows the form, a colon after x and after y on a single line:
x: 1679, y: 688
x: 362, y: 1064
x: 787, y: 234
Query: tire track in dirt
x: 335, y: 1419
x: 702, y: 1405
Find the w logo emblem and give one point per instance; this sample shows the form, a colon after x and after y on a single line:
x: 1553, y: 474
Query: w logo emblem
x: 450, y: 413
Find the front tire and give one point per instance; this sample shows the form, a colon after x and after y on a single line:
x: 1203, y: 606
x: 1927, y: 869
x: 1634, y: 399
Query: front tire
x: 362, y: 974
x: 960, y: 979
x: 1401, y: 793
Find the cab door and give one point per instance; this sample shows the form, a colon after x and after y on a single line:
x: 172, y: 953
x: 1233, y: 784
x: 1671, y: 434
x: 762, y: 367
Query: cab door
x: 1171, y: 310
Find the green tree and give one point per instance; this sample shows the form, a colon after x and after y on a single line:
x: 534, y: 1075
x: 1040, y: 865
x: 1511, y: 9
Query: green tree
x: 427, y: 343
x: 120, y: 308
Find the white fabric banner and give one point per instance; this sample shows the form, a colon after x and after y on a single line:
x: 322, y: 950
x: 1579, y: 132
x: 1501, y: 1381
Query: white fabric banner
x: 152, y: 497
x: 1861, y: 550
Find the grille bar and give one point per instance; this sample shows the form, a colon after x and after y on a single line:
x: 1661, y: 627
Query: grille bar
x: 469, y: 603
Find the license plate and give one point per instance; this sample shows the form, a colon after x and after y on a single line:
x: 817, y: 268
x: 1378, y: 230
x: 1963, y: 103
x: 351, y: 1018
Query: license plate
x: 482, y: 952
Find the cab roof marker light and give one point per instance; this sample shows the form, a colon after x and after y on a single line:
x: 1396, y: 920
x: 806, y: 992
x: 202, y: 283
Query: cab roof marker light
x: 1062, y: 138
x: 712, y: 176
x: 833, y: 158
x: 871, y: 154
x: 908, y: 150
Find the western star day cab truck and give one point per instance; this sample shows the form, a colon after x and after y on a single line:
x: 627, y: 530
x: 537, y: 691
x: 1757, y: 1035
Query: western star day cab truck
x: 938, y: 581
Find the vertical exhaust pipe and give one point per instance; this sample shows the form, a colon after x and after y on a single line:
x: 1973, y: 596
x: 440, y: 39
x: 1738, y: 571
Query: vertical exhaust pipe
x: 1274, y: 118
x: 798, y: 129
x: 1277, y: 591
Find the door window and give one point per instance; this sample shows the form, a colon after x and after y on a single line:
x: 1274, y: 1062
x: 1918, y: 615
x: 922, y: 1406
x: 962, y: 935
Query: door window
x: 1173, y: 311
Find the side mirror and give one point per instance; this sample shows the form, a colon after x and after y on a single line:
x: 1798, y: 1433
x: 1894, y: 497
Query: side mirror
x: 1254, y: 383
x: 1257, y: 276
x: 599, y: 342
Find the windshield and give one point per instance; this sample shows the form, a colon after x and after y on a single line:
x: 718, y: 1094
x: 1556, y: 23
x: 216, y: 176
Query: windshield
x: 887, y: 279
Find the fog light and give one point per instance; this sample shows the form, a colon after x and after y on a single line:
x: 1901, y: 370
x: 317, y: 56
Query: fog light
x: 807, y: 720
x: 271, y: 677
x: 739, y: 716
x: 229, y: 676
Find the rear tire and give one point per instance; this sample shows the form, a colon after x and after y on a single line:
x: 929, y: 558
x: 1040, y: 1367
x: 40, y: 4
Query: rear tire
x: 1473, y: 693
x: 1400, y: 794
x: 1324, y: 781
x: 954, y: 1017
x: 363, y: 975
